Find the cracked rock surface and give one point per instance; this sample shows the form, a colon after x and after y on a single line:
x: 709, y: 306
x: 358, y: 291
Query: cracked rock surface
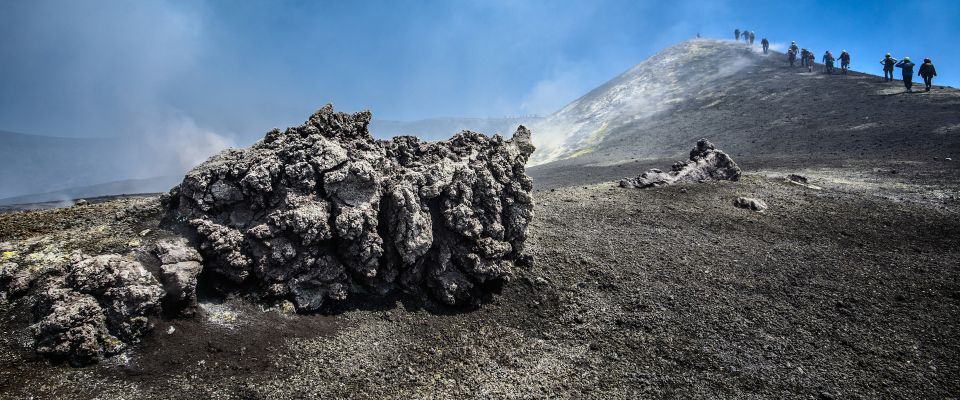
x: 323, y: 211
x: 181, y: 264
x: 95, y: 309
x: 707, y: 163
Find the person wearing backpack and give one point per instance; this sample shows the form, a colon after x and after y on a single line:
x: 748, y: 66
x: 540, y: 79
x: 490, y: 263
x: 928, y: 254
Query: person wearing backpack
x: 906, y: 68
x: 844, y: 61
x: 736, y: 34
x: 765, y: 44
x: 927, y: 71
x: 828, y: 62
x: 888, y: 63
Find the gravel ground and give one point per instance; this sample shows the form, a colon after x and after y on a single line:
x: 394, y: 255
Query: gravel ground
x: 852, y: 291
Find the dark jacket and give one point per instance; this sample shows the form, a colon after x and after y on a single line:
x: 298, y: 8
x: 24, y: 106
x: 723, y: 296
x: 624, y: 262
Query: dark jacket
x: 845, y: 57
x: 888, y: 63
x: 907, y: 67
x: 927, y: 70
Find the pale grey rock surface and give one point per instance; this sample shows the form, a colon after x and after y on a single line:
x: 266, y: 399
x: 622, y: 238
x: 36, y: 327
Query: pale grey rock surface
x: 95, y: 309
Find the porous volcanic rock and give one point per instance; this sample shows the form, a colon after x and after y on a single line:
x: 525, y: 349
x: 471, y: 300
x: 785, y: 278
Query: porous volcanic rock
x: 181, y: 264
x: 321, y: 211
x: 706, y: 163
x: 749, y: 203
x: 95, y: 309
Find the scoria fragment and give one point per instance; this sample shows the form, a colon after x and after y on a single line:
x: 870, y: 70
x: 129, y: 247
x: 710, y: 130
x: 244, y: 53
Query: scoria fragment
x: 707, y: 163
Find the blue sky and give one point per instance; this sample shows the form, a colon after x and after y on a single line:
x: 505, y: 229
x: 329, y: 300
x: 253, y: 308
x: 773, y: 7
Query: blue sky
x: 234, y: 69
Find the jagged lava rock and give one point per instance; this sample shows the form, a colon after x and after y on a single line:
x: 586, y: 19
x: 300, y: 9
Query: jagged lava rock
x: 181, y: 264
x: 749, y: 203
x: 706, y: 163
x: 98, y: 307
x: 320, y: 211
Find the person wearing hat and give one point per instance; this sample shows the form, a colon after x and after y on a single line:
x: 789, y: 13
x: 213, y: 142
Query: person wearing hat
x: 844, y: 61
x: 927, y: 71
x: 888, y: 63
x: 907, y: 69
x: 828, y: 62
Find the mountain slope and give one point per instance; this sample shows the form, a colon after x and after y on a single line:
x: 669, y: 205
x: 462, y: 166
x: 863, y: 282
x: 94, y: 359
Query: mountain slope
x: 753, y: 106
x: 38, y: 164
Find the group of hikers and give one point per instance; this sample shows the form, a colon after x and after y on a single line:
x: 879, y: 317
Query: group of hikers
x: 807, y: 57
x: 749, y: 37
x: 927, y: 71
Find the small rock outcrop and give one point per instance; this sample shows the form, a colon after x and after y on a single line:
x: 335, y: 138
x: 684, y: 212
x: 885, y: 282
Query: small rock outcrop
x: 95, y: 309
x: 750, y: 204
x: 181, y: 264
x: 322, y: 211
x: 706, y: 163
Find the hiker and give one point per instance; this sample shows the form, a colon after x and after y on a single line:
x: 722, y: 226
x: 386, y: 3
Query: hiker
x: 736, y: 34
x: 810, y: 60
x: 907, y: 68
x: 888, y: 63
x: 753, y: 36
x: 803, y: 57
x: 844, y: 61
x: 828, y: 62
x: 927, y: 71
x: 765, y: 44
x: 792, y: 56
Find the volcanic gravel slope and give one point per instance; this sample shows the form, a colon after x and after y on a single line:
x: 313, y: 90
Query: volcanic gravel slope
x: 753, y: 106
x: 850, y: 289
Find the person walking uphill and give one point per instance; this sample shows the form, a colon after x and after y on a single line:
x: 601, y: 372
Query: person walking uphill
x: 765, y: 44
x: 736, y: 34
x: 828, y: 62
x: 907, y: 68
x: 927, y: 71
x: 844, y: 61
x: 888, y: 63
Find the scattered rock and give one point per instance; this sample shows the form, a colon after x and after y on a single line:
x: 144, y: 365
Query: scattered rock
x: 750, y: 204
x: 706, y: 164
x: 319, y: 211
x: 102, y: 304
x: 801, y: 180
x: 80, y: 202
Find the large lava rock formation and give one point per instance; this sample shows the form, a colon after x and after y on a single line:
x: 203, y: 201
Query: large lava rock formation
x: 321, y: 211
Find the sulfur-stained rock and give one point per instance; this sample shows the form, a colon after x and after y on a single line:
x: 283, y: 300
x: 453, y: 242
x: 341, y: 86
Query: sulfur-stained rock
x: 321, y: 211
x: 706, y: 163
